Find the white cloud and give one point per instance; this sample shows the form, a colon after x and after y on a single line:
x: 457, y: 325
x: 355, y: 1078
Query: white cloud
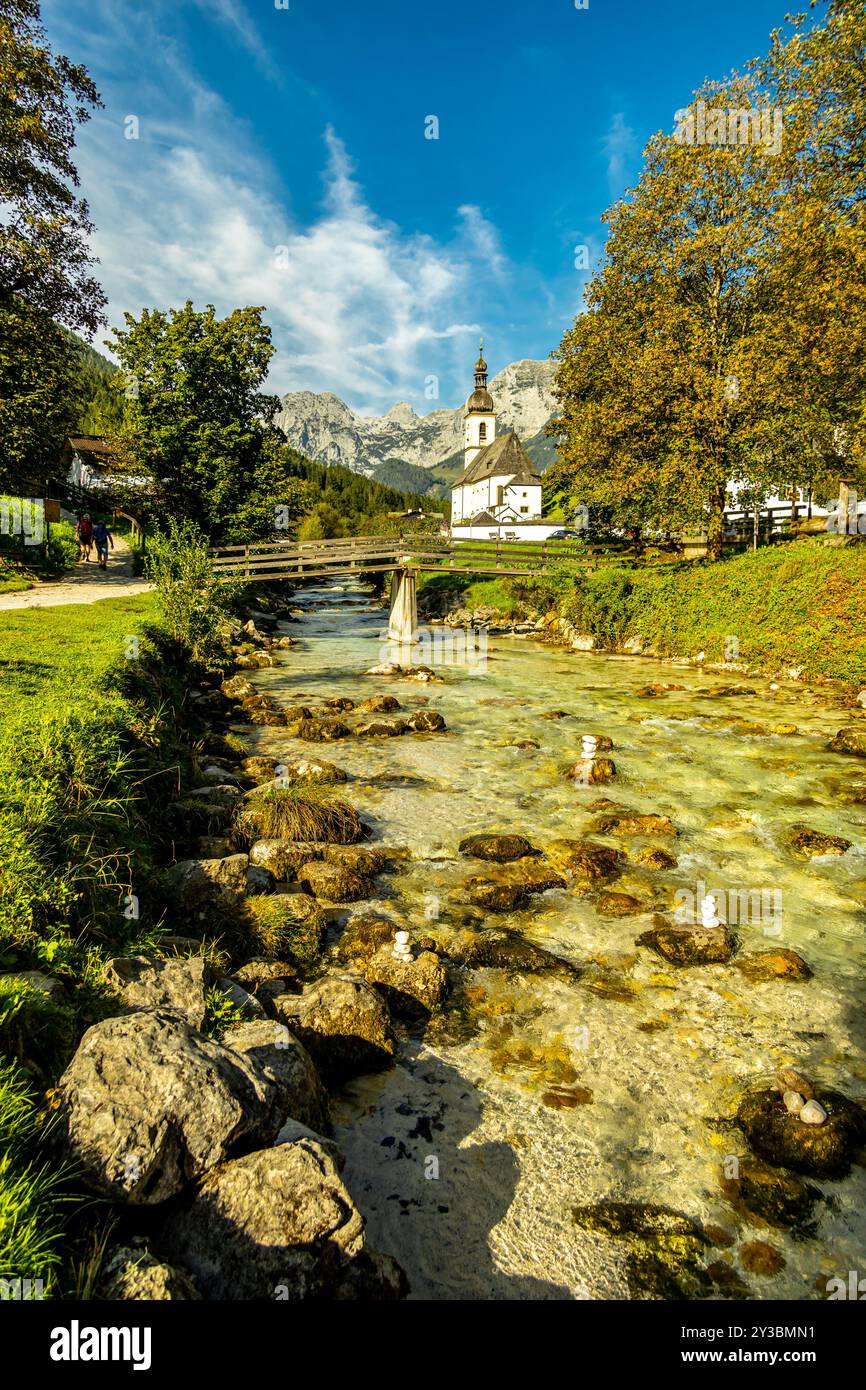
x: 620, y: 148
x: 193, y: 210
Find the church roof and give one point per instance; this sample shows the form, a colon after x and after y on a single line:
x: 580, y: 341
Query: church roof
x: 504, y: 457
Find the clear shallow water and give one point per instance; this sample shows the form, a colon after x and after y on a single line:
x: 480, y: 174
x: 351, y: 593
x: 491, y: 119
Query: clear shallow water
x: 661, y: 1050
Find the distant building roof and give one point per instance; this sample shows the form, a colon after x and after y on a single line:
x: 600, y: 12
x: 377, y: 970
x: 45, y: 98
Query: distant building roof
x: 505, y: 457
x: 88, y: 444
x: 482, y: 519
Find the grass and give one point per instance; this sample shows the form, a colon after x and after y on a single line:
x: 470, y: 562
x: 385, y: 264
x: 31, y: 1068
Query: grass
x: 31, y: 1196
x: 277, y: 934
x: 299, y: 813
x: 60, y: 655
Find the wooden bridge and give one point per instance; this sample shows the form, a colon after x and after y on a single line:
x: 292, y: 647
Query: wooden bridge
x: 371, y: 554
x: 404, y: 556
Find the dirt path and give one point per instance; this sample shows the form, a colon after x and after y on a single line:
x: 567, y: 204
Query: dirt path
x: 87, y: 583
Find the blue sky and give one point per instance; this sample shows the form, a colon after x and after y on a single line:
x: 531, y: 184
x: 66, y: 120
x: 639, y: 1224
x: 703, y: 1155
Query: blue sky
x: 281, y: 160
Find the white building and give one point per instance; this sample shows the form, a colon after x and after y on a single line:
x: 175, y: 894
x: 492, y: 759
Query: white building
x: 499, y: 492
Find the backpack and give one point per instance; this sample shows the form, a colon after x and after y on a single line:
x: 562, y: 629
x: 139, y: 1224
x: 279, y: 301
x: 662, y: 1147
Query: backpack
x: 85, y: 530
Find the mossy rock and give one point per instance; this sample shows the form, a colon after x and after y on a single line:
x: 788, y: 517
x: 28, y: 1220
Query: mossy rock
x: 772, y: 1197
x: 683, y: 946
x: 667, y: 1248
x: 763, y: 966
x: 501, y: 849
x: 819, y: 1151
x: 813, y: 844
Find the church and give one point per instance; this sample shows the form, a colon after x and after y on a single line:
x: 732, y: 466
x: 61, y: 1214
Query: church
x: 498, y: 494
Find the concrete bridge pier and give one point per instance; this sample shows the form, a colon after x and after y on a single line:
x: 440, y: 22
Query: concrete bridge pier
x: 403, y: 618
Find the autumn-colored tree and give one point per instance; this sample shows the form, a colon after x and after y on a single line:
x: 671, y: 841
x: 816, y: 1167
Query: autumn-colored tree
x: 657, y: 416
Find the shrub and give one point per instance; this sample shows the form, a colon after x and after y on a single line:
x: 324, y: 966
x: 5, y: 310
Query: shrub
x: 194, y: 603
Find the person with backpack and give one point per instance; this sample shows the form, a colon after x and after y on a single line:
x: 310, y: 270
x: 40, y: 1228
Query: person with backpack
x: 84, y: 536
x: 102, y: 538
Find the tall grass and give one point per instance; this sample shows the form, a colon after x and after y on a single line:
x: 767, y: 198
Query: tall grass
x: 31, y: 1195
x: 299, y: 813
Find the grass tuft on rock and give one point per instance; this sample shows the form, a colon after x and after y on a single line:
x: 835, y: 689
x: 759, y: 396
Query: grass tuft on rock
x: 299, y: 813
x: 277, y: 933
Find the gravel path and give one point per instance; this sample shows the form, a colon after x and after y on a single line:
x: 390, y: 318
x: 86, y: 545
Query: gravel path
x: 87, y: 583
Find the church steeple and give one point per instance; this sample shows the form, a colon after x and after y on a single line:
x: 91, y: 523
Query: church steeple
x: 480, y: 414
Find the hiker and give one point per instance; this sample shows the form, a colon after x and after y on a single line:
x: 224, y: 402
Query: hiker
x: 103, y: 539
x: 84, y: 535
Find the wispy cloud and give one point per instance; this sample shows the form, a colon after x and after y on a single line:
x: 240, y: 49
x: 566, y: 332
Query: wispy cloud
x: 620, y: 148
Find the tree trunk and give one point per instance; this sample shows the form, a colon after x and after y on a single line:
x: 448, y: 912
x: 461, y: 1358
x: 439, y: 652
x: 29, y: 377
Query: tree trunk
x: 716, y: 526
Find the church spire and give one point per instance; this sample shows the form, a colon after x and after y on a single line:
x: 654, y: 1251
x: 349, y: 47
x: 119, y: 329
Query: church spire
x: 481, y: 371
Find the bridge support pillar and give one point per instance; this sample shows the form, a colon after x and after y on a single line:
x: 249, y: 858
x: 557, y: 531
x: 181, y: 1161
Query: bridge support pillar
x: 403, y: 618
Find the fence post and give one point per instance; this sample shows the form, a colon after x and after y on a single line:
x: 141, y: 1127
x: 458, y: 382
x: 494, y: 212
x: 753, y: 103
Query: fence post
x: 246, y: 562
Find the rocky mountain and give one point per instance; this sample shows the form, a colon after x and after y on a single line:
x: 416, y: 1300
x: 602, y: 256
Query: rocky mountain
x: 420, y: 453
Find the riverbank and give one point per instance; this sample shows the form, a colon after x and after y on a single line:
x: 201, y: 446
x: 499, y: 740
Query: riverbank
x: 435, y: 980
x: 793, y: 609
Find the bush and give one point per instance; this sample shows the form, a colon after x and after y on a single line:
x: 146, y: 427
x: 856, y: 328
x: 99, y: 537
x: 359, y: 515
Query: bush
x: 194, y: 603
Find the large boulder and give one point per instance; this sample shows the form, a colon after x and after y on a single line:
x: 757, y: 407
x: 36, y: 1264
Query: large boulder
x: 343, y: 1022
x: 176, y: 984
x: 149, y: 1104
x: 381, y: 728
x: 277, y: 1224
x: 501, y: 849
x: 274, y: 1049
x: 851, y: 740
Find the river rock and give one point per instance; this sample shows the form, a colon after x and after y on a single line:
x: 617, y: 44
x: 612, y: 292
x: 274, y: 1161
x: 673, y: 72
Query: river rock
x: 174, y: 984
x: 148, y: 1104
x: 132, y: 1273
x: 620, y: 905
x: 532, y: 875
x: 277, y: 1224
x: 618, y: 823
x: 850, y: 740
x: 200, y: 883
x: 238, y: 688
x: 334, y: 882
x: 283, y: 858
x: 387, y: 668
x: 363, y: 861
x: 690, y: 945
x: 824, y: 1150
x: 382, y: 728
x: 260, y: 971
x: 499, y: 848
x: 344, y: 1024
x: 507, y: 950
x: 412, y: 988
x: 339, y: 702
x: 259, y: 880
x: 788, y: 1079
x: 656, y: 858
x: 585, y: 864
x: 315, y: 770
x: 380, y: 704
x: 591, y: 772
x: 362, y: 937
x: 322, y: 730
x: 495, y: 895
x: 426, y: 721
x: 259, y: 769
x: 771, y: 1196
x: 781, y: 964
x: 652, y: 691
x: 813, y: 844
x: 274, y: 1049
x: 214, y: 847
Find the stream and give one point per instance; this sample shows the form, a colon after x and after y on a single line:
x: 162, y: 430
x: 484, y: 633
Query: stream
x: 531, y: 1094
